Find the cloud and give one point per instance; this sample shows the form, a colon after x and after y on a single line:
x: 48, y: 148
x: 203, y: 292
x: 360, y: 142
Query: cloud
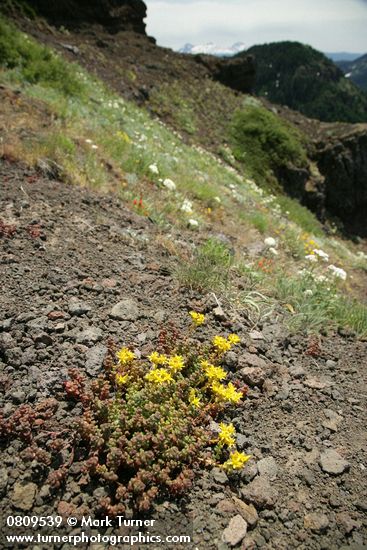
x: 329, y: 25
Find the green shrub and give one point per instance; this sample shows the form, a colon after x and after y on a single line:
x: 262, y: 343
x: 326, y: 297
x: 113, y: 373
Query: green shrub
x: 36, y: 64
x: 264, y: 142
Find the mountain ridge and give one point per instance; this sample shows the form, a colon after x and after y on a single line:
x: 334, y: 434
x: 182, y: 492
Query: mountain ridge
x: 356, y: 70
x: 304, y: 79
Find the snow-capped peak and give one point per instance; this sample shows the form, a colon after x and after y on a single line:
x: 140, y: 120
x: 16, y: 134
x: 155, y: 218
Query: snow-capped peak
x: 213, y: 49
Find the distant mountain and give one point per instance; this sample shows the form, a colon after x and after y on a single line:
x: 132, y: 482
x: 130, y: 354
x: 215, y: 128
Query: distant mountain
x: 343, y: 56
x: 304, y: 79
x: 356, y: 70
x: 213, y: 49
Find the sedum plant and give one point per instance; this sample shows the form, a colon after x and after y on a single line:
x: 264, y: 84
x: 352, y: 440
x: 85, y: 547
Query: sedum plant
x: 144, y: 428
x: 145, y: 421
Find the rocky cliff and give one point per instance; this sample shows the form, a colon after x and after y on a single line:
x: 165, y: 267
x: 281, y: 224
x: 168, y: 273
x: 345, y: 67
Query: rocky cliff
x: 116, y: 15
x: 342, y: 159
x: 335, y: 181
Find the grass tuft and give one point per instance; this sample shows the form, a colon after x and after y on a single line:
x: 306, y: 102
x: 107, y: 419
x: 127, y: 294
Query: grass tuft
x: 209, y: 269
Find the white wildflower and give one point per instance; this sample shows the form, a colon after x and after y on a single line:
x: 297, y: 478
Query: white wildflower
x: 94, y: 146
x: 273, y: 251
x: 169, y: 184
x: 269, y: 241
x: 338, y: 272
x: 321, y: 254
x: 311, y: 258
x: 217, y: 199
x: 187, y: 206
x: 89, y: 141
x: 153, y: 168
x: 193, y: 224
x: 308, y: 292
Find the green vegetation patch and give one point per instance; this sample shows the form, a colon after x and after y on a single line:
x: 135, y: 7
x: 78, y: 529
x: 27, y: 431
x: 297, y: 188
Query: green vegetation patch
x: 202, y: 109
x: 264, y: 143
x: 317, y: 304
x: 36, y: 64
x: 300, y: 215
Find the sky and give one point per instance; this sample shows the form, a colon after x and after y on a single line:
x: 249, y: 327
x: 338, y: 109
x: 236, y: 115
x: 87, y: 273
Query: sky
x: 327, y: 25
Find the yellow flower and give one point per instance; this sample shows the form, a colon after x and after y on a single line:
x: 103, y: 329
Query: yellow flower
x: 123, y: 136
x: 159, y: 376
x: 176, y: 363
x: 212, y: 372
x: 234, y: 339
x: 219, y: 390
x: 226, y: 393
x: 221, y: 344
x: 236, y: 461
x: 157, y: 358
x: 121, y: 379
x: 227, y: 431
x: 232, y: 394
x: 125, y: 356
x: 194, y: 399
x: 198, y: 318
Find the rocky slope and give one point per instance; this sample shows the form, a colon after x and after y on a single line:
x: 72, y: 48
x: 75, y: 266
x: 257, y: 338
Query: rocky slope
x: 138, y: 69
x: 74, y: 255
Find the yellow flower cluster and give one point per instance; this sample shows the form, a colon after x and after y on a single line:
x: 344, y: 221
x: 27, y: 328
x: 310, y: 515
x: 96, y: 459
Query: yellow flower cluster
x: 121, y: 379
x: 308, y: 243
x: 226, y: 393
x: 222, y: 344
x: 157, y: 358
x: 125, y: 356
x: 194, y: 399
x: 159, y: 376
x: 176, y: 363
x: 234, y: 339
x: 123, y: 136
x: 226, y: 434
x: 197, y: 318
x: 212, y: 372
x: 236, y: 461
